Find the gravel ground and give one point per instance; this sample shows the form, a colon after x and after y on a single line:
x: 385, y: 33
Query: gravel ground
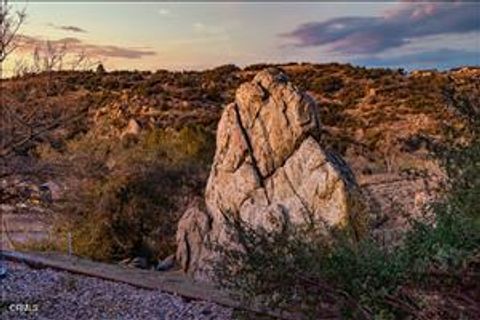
x: 50, y: 294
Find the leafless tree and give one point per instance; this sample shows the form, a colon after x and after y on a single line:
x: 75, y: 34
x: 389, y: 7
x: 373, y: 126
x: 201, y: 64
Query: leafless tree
x: 19, y: 125
x: 21, y: 67
x: 82, y: 61
x: 10, y: 22
x: 51, y: 56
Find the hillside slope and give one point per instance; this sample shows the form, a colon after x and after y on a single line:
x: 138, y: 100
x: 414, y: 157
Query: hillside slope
x: 106, y: 138
x: 376, y: 109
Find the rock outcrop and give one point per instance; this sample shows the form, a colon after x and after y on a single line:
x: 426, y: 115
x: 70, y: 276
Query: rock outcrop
x: 269, y: 170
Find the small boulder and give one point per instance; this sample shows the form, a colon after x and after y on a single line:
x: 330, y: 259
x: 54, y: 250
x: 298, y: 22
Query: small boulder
x: 166, y: 264
x: 132, y: 129
x: 52, y: 191
x: 139, y: 262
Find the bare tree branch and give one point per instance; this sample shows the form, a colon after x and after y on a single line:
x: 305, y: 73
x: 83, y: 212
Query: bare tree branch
x: 10, y: 23
x: 50, y: 56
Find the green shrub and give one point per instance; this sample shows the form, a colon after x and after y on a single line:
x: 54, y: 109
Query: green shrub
x: 299, y: 271
x: 130, y: 194
x: 130, y: 215
x: 327, y: 84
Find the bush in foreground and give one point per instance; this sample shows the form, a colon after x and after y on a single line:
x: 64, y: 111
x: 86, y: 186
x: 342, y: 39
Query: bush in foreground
x: 432, y: 274
x: 127, y: 195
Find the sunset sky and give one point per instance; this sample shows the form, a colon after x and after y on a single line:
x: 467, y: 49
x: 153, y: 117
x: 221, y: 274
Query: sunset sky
x: 154, y: 35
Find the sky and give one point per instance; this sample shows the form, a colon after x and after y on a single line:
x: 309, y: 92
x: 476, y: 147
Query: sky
x: 185, y: 36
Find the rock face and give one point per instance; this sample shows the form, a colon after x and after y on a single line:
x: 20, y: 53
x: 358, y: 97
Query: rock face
x: 268, y: 170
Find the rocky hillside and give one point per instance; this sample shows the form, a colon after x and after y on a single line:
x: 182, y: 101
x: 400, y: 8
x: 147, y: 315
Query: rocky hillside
x: 104, y: 139
x: 371, y: 112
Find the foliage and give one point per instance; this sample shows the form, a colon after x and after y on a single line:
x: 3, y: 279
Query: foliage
x: 129, y: 193
x: 327, y: 84
x: 297, y: 270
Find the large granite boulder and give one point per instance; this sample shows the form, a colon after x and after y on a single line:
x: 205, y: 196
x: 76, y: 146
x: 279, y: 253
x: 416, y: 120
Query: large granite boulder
x: 269, y: 170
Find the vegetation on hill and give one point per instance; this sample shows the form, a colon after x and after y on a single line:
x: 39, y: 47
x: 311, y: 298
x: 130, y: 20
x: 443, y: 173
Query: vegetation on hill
x: 363, y: 109
x: 73, y: 128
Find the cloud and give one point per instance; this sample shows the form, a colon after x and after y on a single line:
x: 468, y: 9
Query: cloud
x: 28, y: 44
x: 68, y: 28
x: 442, y: 59
x: 119, y: 52
x: 396, y: 28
